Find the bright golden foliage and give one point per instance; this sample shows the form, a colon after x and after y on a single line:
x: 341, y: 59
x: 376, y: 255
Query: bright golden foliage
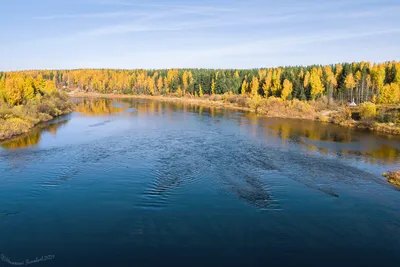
x: 307, y: 80
x: 350, y: 83
x: 244, y: 87
x: 276, y: 81
x: 255, y: 84
x: 200, y: 91
x: 390, y: 94
x: 317, y: 88
x: 287, y: 89
x: 267, y: 83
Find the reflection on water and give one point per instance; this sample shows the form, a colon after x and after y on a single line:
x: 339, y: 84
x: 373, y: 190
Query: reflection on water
x: 102, y: 107
x: 324, y: 138
x: 33, y: 138
x: 328, y: 138
x: 97, y: 107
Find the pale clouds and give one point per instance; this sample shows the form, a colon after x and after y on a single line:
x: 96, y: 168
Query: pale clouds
x: 166, y: 34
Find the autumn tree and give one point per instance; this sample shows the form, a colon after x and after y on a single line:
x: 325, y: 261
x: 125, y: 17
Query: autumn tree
x: 267, y: 83
x: 350, y: 83
x: 276, y: 81
x: 317, y: 88
x: 255, y: 84
x: 244, y: 87
x: 330, y: 82
x: 287, y: 89
x: 200, y: 91
x: 390, y: 94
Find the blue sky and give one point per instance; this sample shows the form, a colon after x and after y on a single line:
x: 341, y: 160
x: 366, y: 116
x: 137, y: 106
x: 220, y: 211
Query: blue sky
x: 44, y: 34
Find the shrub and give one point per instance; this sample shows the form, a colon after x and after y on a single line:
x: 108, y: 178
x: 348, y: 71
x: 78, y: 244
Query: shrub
x: 232, y: 99
x: 393, y: 178
x: 13, y: 126
x: 253, y: 102
x: 367, y: 111
x: 387, y: 116
x: 215, y: 97
x: 342, y: 116
x: 320, y: 104
x: 240, y: 100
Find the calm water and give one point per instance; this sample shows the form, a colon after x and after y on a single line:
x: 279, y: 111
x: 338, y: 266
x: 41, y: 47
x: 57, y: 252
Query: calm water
x: 142, y: 183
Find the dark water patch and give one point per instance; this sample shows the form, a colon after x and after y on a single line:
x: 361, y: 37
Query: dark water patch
x: 9, y: 213
x: 100, y: 124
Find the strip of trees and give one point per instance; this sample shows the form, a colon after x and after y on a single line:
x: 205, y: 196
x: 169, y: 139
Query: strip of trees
x: 361, y: 82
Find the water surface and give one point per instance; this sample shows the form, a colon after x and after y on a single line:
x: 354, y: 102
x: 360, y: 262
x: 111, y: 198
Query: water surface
x: 143, y: 183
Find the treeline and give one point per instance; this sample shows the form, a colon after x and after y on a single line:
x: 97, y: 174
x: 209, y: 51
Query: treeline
x: 16, y: 88
x: 364, y: 81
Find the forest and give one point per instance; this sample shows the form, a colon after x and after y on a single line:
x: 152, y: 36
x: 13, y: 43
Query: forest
x: 361, y: 82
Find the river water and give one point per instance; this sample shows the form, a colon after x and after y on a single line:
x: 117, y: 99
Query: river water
x: 142, y: 183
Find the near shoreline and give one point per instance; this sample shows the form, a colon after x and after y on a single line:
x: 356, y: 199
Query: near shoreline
x: 19, y: 120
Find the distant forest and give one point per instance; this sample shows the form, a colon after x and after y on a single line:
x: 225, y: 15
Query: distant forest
x: 364, y: 81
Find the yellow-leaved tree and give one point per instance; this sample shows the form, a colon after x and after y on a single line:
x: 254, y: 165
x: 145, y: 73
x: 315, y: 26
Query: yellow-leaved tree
x: 200, y: 91
x: 244, y: 87
x: 390, y: 94
x: 378, y: 76
x: 14, y: 89
x: 350, y: 83
x: 267, y: 83
x: 330, y: 82
x: 317, y: 87
x: 255, y: 84
x: 2, y: 88
x: 160, y: 84
x: 307, y: 80
x: 276, y: 81
x: 287, y: 89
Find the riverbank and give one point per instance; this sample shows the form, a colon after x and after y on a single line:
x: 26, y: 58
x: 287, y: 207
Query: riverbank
x: 274, y: 107
x: 393, y: 178
x: 18, y: 120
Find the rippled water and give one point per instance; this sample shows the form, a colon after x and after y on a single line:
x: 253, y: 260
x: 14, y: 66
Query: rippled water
x: 142, y: 183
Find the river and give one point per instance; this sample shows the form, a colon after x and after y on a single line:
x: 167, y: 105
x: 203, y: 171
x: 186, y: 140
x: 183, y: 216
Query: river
x: 130, y: 182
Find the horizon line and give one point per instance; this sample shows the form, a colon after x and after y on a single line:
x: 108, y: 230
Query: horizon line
x: 197, y: 68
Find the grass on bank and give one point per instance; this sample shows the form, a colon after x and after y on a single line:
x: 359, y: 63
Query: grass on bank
x: 16, y: 120
x: 393, y: 178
